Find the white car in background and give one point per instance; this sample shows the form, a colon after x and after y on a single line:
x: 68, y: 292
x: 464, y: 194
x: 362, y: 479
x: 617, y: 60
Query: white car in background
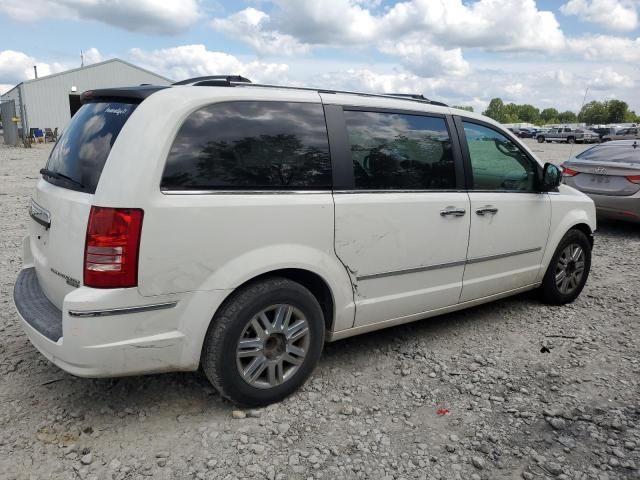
x: 238, y: 227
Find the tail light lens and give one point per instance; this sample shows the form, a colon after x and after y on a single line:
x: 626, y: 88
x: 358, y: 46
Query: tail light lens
x: 567, y: 172
x: 111, y: 249
x: 633, y: 178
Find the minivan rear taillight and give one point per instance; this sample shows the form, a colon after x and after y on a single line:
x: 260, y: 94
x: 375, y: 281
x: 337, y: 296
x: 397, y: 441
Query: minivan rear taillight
x: 111, y: 248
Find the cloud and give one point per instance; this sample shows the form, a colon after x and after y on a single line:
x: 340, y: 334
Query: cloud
x: 427, y: 36
x: 605, y: 47
x: 252, y: 26
x: 188, y: 61
x: 621, y: 15
x: 5, y: 87
x: 92, y: 55
x: 500, y: 25
x: 16, y: 67
x: 608, y: 79
x: 427, y: 60
x: 149, y: 16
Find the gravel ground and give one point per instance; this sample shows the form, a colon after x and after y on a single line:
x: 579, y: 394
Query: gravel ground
x: 508, y: 390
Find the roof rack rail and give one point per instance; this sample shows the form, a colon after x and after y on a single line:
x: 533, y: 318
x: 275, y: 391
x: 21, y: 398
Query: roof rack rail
x: 214, y: 81
x: 401, y: 96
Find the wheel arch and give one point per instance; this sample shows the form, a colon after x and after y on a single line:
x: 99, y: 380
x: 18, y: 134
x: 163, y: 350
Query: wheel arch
x: 586, y: 229
x: 312, y: 281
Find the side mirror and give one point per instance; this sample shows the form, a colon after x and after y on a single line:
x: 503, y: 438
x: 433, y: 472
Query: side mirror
x: 551, y: 177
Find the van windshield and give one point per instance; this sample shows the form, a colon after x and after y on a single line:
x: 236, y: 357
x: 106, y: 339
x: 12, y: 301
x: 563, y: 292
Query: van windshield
x: 78, y: 158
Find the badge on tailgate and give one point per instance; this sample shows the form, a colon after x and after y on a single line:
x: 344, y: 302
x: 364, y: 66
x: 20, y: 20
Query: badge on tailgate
x: 40, y: 214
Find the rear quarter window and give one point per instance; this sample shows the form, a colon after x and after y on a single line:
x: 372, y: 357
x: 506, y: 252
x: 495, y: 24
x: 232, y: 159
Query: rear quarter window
x: 250, y: 145
x: 84, y: 146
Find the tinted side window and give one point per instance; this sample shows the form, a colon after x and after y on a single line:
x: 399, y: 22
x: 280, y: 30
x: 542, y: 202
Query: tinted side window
x: 251, y: 145
x: 498, y: 163
x: 398, y: 151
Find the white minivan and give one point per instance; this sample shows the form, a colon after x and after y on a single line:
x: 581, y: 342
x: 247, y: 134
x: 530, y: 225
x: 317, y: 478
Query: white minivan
x: 236, y: 227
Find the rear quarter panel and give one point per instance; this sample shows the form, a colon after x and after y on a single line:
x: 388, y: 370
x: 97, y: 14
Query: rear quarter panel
x: 216, y: 241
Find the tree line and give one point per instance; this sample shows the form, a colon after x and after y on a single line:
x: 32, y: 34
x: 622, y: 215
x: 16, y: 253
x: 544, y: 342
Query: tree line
x: 594, y: 112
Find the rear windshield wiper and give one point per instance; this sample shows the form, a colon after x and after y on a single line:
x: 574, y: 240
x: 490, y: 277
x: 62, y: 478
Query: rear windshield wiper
x: 60, y: 176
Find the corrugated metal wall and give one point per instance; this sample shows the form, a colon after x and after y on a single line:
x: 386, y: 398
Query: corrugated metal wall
x: 46, y: 100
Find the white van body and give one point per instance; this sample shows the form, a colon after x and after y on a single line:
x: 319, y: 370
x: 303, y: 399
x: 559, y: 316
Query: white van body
x: 386, y: 257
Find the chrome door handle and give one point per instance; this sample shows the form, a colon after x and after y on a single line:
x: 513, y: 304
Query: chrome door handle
x: 487, y: 209
x: 456, y: 212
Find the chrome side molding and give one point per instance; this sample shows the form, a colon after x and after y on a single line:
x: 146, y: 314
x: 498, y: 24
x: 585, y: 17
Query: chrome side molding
x: 457, y: 263
x: 121, y: 311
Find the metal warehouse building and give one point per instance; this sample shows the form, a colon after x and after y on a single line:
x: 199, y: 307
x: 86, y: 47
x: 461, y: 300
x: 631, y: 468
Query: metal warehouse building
x: 47, y: 102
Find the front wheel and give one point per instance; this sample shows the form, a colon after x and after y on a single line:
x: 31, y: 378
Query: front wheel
x: 568, y: 270
x: 264, y: 342
x: 571, y: 140
x: 540, y: 139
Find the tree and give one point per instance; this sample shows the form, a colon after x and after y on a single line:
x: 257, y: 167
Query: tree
x: 567, y: 117
x: 528, y: 113
x: 549, y: 115
x: 631, y: 117
x: 593, y: 112
x: 616, y: 111
x: 495, y: 110
x: 462, y: 107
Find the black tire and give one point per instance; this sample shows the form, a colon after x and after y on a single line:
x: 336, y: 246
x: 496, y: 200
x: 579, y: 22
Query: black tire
x: 571, y: 140
x: 550, y: 291
x: 540, y: 139
x: 219, y: 351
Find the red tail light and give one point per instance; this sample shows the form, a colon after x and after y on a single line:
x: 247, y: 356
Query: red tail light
x: 111, y: 249
x: 633, y: 178
x: 567, y: 172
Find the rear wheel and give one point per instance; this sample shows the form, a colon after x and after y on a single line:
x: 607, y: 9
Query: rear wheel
x: 540, y: 139
x: 264, y: 342
x: 568, y: 270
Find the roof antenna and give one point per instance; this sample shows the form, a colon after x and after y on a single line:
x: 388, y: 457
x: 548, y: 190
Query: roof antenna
x: 584, y: 99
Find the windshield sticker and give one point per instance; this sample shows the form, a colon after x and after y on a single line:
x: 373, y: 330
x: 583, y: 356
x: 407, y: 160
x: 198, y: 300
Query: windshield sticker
x: 117, y: 111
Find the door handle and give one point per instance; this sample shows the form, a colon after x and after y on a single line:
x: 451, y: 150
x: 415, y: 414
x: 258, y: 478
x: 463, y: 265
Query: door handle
x: 487, y: 209
x: 456, y: 212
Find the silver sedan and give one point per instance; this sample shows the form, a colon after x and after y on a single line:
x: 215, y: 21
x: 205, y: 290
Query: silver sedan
x: 610, y: 174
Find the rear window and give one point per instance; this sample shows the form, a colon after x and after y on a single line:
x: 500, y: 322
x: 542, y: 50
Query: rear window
x: 251, y: 146
x: 83, y: 148
x: 626, y: 153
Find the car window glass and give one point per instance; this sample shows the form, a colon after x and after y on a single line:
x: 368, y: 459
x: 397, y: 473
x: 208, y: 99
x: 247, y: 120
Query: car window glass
x: 497, y: 163
x: 251, y: 145
x: 82, y: 150
x: 400, y: 151
x: 611, y: 153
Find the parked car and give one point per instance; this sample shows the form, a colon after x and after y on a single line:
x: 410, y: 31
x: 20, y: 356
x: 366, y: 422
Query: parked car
x: 238, y: 227
x: 632, y: 133
x: 527, y: 132
x: 602, y: 131
x: 568, y: 135
x: 610, y: 174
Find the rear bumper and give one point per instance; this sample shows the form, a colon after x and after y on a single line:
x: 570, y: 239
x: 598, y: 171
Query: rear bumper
x: 109, y: 333
x: 36, y: 309
x: 618, y: 207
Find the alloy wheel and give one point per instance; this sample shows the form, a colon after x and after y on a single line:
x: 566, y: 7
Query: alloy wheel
x: 570, y: 269
x: 273, y: 346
